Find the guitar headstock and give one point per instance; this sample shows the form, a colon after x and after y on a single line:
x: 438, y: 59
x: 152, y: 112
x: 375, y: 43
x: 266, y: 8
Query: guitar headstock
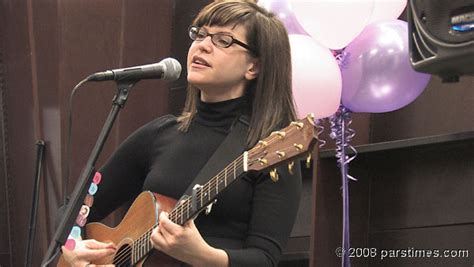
x: 286, y: 144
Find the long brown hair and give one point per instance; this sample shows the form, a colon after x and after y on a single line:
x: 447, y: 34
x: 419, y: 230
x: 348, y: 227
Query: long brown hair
x: 270, y: 94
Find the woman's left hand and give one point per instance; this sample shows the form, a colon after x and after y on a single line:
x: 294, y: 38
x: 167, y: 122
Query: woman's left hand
x: 185, y: 243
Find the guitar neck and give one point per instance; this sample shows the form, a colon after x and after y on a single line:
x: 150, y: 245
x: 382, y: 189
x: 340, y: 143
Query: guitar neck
x: 203, y: 195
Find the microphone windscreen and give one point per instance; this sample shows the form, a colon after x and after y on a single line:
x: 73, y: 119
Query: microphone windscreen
x: 171, y: 69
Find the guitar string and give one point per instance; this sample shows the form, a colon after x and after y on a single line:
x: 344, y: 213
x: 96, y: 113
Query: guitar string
x: 174, y: 215
x: 178, y: 212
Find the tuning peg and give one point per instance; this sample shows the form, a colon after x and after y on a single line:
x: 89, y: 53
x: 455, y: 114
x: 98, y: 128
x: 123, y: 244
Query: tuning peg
x: 298, y: 124
x: 298, y: 146
x: 263, y: 143
x: 263, y: 161
x: 274, y: 175
x: 291, y: 165
x: 280, y: 134
x: 308, y: 161
x: 281, y: 154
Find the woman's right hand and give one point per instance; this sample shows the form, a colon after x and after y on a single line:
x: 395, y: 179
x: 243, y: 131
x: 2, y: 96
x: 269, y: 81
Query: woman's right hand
x: 87, y: 251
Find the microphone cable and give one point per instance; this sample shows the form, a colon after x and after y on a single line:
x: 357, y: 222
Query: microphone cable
x: 69, y: 140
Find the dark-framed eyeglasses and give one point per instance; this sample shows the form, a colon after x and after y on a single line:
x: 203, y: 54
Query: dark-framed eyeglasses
x: 219, y: 39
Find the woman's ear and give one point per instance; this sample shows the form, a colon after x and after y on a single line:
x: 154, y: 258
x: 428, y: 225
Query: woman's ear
x: 253, y: 70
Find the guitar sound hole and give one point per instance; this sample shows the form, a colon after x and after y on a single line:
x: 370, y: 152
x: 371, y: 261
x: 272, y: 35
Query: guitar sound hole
x: 123, y: 256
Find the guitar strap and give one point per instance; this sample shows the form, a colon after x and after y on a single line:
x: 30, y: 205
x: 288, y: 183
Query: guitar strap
x: 232, y: 147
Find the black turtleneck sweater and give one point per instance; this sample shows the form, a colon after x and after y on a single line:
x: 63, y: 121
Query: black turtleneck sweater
x: 251, y: 220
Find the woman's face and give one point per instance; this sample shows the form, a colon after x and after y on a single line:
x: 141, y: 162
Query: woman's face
x: 221, y: 73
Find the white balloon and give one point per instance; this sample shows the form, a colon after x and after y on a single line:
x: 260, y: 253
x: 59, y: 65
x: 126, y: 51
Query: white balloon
x: 333, y: 23
x: 387, y: 9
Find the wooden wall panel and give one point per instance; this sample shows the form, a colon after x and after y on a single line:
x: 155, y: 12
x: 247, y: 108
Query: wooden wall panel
x: 50, y: 46
x: 5, y: 179
x: 20, y: 127
x: 422, y: 188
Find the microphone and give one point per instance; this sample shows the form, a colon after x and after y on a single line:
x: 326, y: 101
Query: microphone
x: 168, y: 69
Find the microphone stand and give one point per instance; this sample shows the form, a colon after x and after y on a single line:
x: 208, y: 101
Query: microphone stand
x: 85, y: 179
x: 40, y: 146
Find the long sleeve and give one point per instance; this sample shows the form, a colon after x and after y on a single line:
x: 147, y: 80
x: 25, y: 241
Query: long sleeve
x: 274, y: 208
x: 124, y: 172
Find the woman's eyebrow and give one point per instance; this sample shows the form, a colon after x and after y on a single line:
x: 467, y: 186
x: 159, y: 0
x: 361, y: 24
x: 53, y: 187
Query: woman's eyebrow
x: 223, y: 31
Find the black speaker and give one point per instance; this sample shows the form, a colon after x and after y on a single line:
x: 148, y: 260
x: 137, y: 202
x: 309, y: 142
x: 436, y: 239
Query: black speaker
x: 442, y: 37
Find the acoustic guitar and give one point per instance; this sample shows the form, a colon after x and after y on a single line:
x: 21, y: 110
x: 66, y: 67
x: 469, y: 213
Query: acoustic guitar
x: 132, y: 235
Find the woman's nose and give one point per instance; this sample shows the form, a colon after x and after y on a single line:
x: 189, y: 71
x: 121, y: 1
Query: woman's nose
x: 206, y: 44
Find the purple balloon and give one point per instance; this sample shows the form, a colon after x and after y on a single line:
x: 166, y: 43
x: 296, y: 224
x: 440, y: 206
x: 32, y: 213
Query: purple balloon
x: 376, y: 71
x: 282, y: 9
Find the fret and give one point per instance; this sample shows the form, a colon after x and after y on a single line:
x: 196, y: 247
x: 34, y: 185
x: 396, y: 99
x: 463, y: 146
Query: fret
x: 142, y: 252
x: 217, y: 185
x: 139, y: 248
x: 203, y: 195
x: 144, y: 245
x: 133, y: 252
x: 140, y: 255
x: 187, y: 208
x: 241, y: 168
x: 234, y: 170
x: 174, y: 216
x: 200, y: 190
x: 148, y: 243
x: 225, y: 177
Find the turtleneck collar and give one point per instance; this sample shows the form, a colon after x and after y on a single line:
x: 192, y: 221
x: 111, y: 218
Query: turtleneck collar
x: 220, y: 114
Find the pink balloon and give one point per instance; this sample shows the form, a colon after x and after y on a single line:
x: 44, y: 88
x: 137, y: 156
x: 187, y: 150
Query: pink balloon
x: 387, y: 9
x: 317, y: 81
x: 334, y: 24
x: 282, y: 9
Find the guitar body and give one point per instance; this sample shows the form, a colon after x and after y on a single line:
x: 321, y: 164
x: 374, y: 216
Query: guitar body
x: 141, y: 217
